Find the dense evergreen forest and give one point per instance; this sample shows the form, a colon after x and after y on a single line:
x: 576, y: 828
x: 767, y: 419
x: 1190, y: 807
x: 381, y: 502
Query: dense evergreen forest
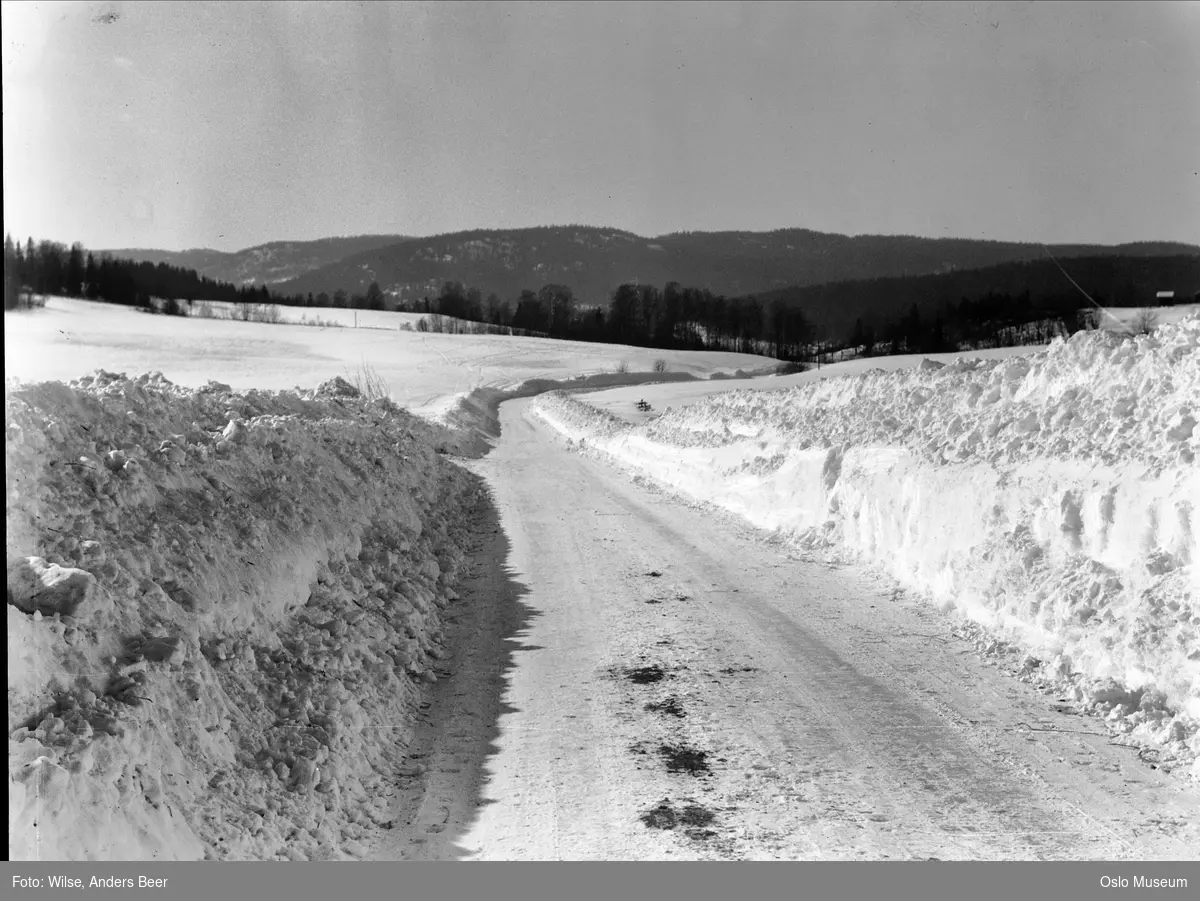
x: 49, y: 267
x: 989, y: 306
x: 1009, y: 304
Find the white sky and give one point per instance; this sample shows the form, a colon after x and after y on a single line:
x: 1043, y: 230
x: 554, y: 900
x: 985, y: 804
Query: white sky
x: 225, y: 125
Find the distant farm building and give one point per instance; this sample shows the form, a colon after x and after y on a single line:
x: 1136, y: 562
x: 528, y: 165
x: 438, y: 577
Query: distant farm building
x: 1166, y: 296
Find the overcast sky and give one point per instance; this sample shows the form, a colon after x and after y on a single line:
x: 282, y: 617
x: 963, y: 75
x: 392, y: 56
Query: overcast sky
x: 225, y: 125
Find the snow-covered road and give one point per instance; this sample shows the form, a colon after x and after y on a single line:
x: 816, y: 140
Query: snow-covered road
x: 624, y: 662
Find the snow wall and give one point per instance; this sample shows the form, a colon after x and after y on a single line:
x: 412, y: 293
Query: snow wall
x: 218, y: 641
x: 1053, y: 499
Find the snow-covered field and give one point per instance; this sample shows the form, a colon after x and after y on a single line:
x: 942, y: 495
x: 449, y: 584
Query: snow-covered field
x: 332, y: 317
x: 69, y: 339
x: 1049, y: 498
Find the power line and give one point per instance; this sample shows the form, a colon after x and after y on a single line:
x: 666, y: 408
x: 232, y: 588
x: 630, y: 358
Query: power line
x: 1076, y: 284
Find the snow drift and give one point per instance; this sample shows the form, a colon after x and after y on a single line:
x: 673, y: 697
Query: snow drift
x: 217, y: 639
x: 1052, y: 499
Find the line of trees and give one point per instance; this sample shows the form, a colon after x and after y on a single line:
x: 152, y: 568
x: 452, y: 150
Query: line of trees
x: 1012, y: 303
x: 994, y: 320
x: 49, y: 267
x: 685, y: 318
x: 890, y: 316
x: 672, y: 317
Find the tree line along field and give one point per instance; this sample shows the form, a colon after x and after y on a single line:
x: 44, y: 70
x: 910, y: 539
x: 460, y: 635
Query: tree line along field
x: 1004, y: 305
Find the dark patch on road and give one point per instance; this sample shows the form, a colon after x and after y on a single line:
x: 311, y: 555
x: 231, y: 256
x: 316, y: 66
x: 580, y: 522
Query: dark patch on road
x: 645, y: 675
x: 670, y: 706
x: 731, y: 670
x: 661, y: 817
x: 694, y: 816
x: 682, y: 759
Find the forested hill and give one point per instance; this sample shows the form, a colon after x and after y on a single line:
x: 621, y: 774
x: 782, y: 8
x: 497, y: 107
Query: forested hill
x: 266, y: 264
x: 1110, y: 280
x: 594, y: 261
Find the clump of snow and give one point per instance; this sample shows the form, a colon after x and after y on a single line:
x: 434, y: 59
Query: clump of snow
x: 1051, y: 498
x: 223, y: 613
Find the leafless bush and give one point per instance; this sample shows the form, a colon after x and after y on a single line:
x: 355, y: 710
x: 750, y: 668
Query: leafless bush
x: 205, y: 310
x: 622, y: 367
x: 422, y: 324
x: 29, y: 300
x: 370, y: 384
x: 1087, y: 319
x: 268, y: 312
x: 660, y: 365
x: 319, y: 322
x: 438, y: 323
x: 258, y: 312
x: 1145, y: 322
x: 792, y: 367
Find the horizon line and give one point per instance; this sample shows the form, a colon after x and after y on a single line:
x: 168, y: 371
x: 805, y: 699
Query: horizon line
x: 401, y: 237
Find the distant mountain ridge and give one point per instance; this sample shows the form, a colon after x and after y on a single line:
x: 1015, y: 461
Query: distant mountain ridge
x: 264, y: 264
x: 594, y: 261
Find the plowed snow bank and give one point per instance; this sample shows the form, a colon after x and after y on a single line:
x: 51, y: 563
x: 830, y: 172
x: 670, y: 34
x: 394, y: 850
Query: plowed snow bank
x: 472, y: 419
x: 1051, y: 498
x: 217, y: 638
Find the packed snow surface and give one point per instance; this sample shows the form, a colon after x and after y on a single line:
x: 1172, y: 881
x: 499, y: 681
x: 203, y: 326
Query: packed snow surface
x: 1051, y: 498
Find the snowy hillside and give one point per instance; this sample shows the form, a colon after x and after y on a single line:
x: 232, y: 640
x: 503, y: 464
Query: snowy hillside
x: 217, y: 640
x: 1050, y: 499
